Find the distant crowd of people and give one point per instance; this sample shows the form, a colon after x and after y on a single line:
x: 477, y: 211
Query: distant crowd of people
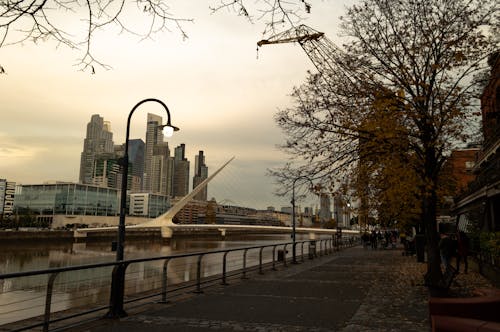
x: 380, y: 240
x: 450, y: 245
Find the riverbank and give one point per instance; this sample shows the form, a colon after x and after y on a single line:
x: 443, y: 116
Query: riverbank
x: 40, y: 235
x: 131, y: 234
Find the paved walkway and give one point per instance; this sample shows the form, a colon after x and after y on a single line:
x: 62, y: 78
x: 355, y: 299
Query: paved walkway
x: 353, y: 290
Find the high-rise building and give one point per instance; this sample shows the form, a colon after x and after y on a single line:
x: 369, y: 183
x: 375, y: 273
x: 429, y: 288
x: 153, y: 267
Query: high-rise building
x: 181, y: 172
x: 136, y: 149
x: 162, y: 170
x: 154, y: 136
x: 135, y: 163
x: 325, y: 214
x: 106, y: 171
x: 200, y: 174
x: 339, y: 210
x: 99, y: 140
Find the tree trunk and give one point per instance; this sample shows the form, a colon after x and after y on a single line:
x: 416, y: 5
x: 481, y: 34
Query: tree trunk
x: 434, y: 275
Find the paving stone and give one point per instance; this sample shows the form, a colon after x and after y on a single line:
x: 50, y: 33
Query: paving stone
x: 353, y: 290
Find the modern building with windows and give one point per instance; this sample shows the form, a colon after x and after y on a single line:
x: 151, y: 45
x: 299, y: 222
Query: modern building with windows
x: 162, y: 170
x: 325, y: 213
x: 148, y: 205
x: 7, y: 192
x: 99, y: 140
x: 154, y: 137
x: 181, y: 172
x: 66, y: 198
x: 136, y: 149
x: 200, y: 174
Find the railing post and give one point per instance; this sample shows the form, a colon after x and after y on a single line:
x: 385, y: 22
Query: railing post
x: 224, y: 267
x: 198, y: 276
x: 48, y: 301
x: 244, y: 273
x: 294, y: 253
x: 260, y: 260
x: 117, y: 292
x: 302, y: 251
x: 164, y: 282
x: 274, y: 258
x: 284, y: 255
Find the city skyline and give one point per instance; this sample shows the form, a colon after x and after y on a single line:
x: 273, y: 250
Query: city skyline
x: 220, y: 95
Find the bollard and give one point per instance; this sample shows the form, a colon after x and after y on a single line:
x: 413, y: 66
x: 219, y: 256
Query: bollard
x: 198, y: 276
x: 164, y: 282
x: 224, y: 282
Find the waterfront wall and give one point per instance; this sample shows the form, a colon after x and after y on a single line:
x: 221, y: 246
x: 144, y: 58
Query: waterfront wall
x: 111, y: 235
x: 36, y: 235
x: 60, y: 221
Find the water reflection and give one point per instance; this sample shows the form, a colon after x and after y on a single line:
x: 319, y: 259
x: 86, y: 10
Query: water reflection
x: 22, y: 298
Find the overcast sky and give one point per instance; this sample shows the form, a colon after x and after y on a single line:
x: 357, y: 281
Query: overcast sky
x: 219, y: 93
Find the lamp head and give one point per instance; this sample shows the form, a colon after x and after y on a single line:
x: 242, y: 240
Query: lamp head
x: 168, y: 129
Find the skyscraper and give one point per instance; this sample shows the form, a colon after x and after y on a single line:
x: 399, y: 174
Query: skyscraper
x: 200, y: 174
x: 162, y: 170
x: 338, y: 210
x: 325, y: 214
x: 136, y: 157
x: 154, y: 136
x: 181, y: 172
x: 99, y: 140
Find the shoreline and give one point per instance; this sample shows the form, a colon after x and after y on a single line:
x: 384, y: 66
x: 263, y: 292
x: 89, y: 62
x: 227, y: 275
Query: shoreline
x: 68, y: 235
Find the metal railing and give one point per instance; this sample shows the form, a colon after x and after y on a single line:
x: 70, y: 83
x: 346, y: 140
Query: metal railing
x: 119, y: 270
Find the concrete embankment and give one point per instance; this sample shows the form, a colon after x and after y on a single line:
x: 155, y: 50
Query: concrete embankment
x: 131, y: 234
x: 35, y: 235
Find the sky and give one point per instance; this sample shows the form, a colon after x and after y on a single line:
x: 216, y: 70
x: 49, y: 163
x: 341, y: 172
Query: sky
x: 219, y: 92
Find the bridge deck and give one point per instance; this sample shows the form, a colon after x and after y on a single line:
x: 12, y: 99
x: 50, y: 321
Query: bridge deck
x: 353, y: 290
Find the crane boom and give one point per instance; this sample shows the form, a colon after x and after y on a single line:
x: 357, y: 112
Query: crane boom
x: 323, y: 53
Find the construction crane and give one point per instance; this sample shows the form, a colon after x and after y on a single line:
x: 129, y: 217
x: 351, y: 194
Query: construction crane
x: 328, y: 59
x: 324, y: 54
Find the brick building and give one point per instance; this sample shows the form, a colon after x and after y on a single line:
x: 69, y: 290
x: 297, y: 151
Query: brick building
x: 480, y: 205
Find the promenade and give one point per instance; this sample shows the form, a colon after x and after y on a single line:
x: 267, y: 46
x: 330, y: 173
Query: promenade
x: 356, y: 289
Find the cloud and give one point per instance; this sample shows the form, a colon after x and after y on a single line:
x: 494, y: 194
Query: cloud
x: 34, y: 159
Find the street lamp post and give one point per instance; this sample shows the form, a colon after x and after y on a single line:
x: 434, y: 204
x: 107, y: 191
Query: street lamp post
x: 294, y: 255
x: 118, y: 281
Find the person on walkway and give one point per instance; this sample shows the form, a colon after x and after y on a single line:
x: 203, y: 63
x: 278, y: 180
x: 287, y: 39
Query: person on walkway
x: 446, y: 250
x: 373, y: 239
x: 463, y: 250
x: 365, y: 238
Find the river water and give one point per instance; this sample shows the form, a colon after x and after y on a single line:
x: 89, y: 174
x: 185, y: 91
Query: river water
x: 22, y: 298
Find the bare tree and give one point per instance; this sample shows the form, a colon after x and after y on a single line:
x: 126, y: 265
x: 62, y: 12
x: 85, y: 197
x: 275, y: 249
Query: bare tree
x: 47, y: 20
x: 42, y: 20
x: 426, y: 54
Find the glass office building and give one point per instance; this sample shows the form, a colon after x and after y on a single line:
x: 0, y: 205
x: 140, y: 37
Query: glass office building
x: 66, y: 198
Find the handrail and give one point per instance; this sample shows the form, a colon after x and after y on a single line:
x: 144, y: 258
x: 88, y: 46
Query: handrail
x: 121, y: 266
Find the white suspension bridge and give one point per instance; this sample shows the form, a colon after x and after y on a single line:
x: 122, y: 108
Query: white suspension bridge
x: 164, y: 223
